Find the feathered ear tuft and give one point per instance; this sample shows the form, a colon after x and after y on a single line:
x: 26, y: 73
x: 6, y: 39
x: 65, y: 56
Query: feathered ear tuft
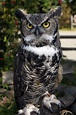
x: 56, y: 12
x: 20, y: 14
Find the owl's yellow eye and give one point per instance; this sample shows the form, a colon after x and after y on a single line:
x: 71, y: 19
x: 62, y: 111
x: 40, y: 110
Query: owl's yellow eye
x: 29, y: 26
x: 46, y: 24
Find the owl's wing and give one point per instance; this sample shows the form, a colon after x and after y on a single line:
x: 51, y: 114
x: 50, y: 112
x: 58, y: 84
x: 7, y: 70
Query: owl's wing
x: 18, y: 82
x: 57, y: 68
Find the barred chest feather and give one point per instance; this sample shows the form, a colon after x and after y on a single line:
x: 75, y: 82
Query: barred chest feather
x: 38, y: 68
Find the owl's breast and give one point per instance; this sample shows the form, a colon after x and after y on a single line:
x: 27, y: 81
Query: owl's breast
x: 36, y: 71
x: 39, y: 63
x: 47, y: 51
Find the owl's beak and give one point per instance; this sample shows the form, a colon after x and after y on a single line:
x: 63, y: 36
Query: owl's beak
x: 37, y: 32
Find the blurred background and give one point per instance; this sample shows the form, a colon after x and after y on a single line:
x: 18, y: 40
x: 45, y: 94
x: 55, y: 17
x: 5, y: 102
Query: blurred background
x: 10, y: 39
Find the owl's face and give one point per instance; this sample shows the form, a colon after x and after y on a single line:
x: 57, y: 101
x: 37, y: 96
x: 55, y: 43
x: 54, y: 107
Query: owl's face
x: 38, y: 29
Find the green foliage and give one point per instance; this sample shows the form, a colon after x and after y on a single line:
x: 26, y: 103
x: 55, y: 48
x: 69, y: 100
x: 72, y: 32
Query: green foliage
x: 7, y: 103
x: 73, y: 7
x: 38, y: 6
x: 65, y: 17
x: 4, y: 86
x: 68, y: 9
x: 8, y: 109
x: 9, y: 36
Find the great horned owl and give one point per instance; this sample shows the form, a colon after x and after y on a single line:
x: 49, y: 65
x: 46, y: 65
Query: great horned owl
x: 37, y: 60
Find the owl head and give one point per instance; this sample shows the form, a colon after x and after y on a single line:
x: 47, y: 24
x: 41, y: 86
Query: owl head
x: 39, y: 29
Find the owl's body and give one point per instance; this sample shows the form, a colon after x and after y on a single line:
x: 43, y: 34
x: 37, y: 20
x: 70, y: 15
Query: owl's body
x: 37, y: 60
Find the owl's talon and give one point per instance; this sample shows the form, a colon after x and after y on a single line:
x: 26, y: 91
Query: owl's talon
x: 28, y: 109
x: 49, y: 100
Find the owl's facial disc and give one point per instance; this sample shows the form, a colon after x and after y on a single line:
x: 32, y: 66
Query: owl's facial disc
x: 44, y: 40
x: 38, y: 29
x: 38, y: 35
x: 35, y: 26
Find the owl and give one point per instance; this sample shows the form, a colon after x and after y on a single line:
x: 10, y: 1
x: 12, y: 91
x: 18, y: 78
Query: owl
x: 37, y: 62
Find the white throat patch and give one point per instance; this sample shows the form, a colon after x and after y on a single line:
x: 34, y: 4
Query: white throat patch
x: 45, y: 50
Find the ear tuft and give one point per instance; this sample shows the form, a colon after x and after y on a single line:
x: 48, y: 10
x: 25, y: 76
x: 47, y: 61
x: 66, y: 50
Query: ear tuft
x: 56, y: 12
x: 20, y: 14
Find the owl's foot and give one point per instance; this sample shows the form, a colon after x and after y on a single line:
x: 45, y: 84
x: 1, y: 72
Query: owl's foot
x: 65, y: 112
x: 51, y: 102
x: 29, y: 109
